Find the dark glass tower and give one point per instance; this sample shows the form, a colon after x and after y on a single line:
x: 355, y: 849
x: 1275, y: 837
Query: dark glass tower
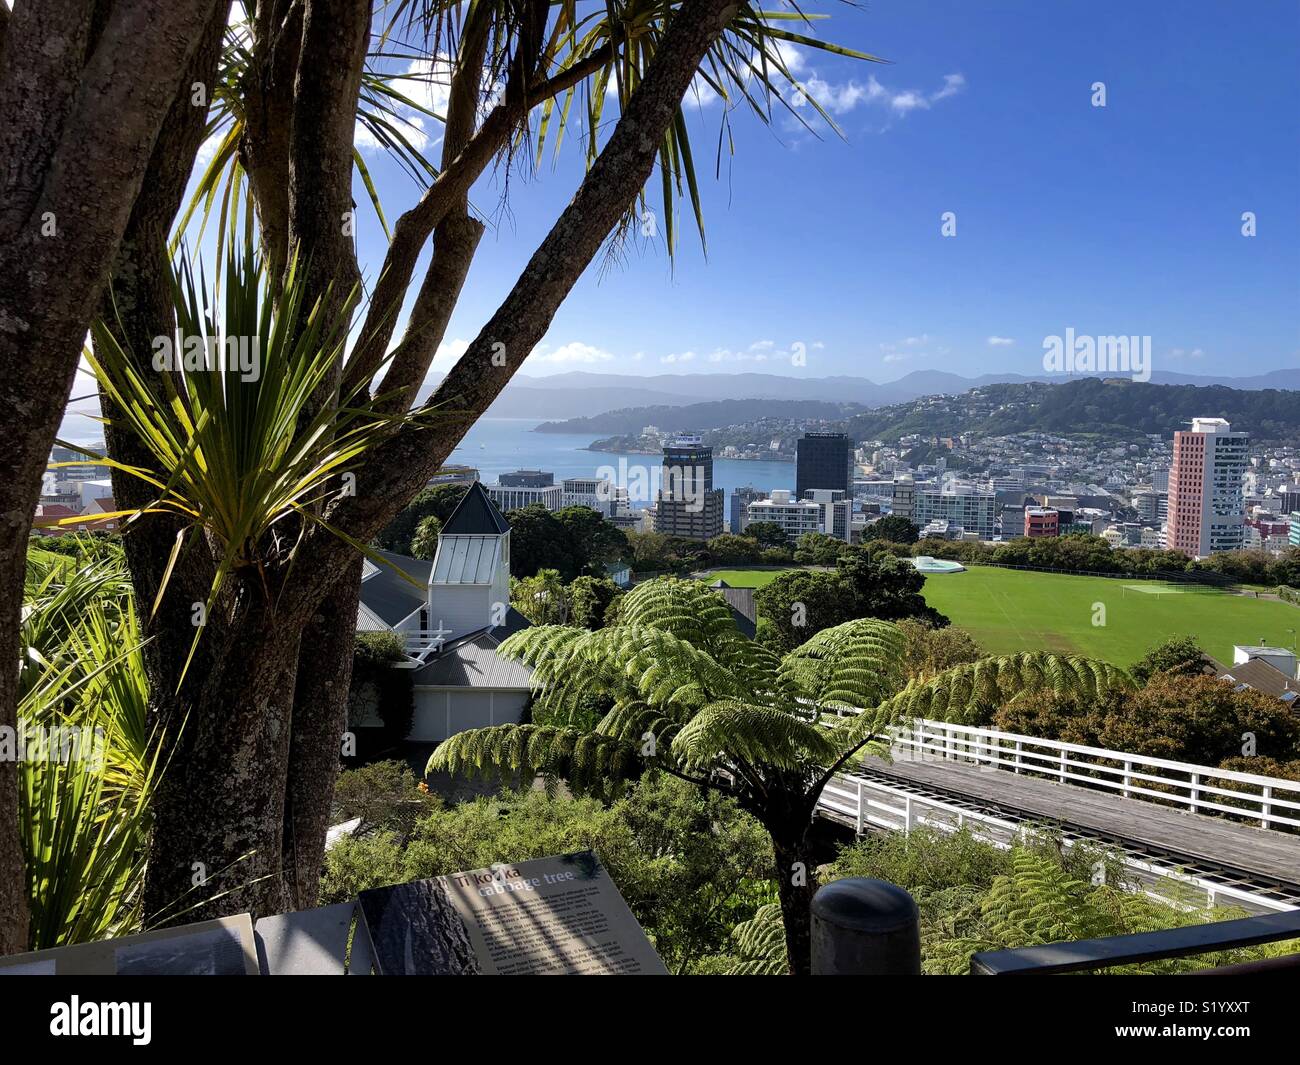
x: 824, y: 460
x: 688, y: 504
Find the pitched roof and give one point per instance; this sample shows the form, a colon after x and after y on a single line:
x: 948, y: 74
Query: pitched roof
x: 743, y: 612
x: 476, y: 515
x: 389, y: 597
x: 473, y: 662
x: 1261, y: 676
x: 466, y: 559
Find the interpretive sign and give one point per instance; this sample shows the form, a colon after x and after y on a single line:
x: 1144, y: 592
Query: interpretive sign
x: 560, y: 915
x: 224, y: 947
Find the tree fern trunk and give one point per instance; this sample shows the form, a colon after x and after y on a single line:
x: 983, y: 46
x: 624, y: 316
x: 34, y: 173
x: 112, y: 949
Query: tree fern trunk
x: 795, y: 884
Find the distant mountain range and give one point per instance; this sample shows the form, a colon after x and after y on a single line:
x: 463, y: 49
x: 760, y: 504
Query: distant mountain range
x: 583, y: 394
x: 715, y: 414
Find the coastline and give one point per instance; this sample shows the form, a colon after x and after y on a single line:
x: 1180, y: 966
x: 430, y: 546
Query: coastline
x: 658, y: 451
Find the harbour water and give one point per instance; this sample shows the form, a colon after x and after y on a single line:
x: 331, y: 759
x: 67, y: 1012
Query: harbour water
x: 499, y: 445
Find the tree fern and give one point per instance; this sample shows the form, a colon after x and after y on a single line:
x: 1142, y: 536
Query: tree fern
x: 969, y: 694
x: 676, y: 686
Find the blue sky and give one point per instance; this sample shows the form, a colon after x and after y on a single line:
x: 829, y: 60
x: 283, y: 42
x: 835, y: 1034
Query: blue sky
x: 1117, y: 220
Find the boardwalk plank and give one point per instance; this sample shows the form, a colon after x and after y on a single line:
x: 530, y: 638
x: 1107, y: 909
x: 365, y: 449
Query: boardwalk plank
x: 1257, y: 851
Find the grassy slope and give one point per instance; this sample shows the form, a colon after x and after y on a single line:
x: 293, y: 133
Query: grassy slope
x: 746, y: 578
x: 1011, y: 610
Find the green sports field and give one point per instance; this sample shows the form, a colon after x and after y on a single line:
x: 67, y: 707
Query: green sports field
x: 746, y: 578
x: 1015, y: 610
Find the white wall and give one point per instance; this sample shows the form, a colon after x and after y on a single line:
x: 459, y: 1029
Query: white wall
x: 442, y: 712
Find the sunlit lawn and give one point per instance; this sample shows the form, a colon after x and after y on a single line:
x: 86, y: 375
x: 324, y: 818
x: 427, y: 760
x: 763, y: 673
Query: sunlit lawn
x: 1014, y: 610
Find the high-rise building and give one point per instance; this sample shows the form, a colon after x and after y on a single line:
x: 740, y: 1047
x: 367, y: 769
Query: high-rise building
x: 823, y: 460
x: 1288, y: 498
x: 960, y: 505
x: 1206, y: 507
x: 837, y: 511
x: 904, y: 496
x: 740, y: 499
x: 1294, y: 538
x: 1151, y: 507
x: 688, y: 505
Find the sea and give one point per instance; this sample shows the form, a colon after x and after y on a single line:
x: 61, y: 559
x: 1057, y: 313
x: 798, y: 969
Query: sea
x: 501, y: 445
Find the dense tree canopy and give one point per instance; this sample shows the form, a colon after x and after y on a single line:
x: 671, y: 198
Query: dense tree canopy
x: 436, y: 502
x: 893, y: 527
x: 799, y: 604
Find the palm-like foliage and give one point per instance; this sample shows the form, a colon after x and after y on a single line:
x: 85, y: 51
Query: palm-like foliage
x: 1042, y: 901
x: 613, y: 42
x: 242, y: 458
x: 87, y: 776
x: 676, y: 686
x: 969, y: 694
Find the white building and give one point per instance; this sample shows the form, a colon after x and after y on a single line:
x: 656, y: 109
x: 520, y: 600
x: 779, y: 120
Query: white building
x: 597, y: 493
x: 1206, y: 502
x: 837, y: 511
x: 1281, y: 659
x: 452, y: 614
x: 794, y: 516
x: 508, y: 497
x: 958, y: 504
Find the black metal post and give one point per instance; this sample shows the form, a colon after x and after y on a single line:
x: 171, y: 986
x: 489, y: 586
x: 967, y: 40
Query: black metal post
x: 864, y: 927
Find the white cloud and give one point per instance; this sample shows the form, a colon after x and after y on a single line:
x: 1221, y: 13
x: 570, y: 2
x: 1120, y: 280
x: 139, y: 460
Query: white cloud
x: 452, y: 349
x: 672, y: 357
x: 908, y: 100
x: 916, y: 342
x: 573, y: 352
x: 1001, y: 342
x: 897, y: 356
x: 425, y: 82
x: 842, y: 98
x: 952, y: 85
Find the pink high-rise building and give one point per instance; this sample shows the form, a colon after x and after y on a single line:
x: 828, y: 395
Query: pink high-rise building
x: 1206, y: 511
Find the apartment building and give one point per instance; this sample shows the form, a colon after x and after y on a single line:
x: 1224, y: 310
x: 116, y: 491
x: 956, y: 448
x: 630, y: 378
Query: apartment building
x: 959, y: 505
x: 1206, y: 504
x: 794, y: 516
x: 1042, y: 521
x: 512, y: 497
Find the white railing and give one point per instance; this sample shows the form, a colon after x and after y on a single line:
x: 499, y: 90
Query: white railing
x: 1268, y: 801
x: 866, y: 803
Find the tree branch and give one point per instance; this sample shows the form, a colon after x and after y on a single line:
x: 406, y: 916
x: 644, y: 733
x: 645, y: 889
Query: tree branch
x: 453, y: 184
x: 399, y: 466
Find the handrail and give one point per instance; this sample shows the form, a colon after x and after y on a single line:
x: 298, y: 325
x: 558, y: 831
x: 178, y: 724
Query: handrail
x: 1084, y: 954
x: 872, y: 803
x: 1203, y: 790
x: 1103, y: 752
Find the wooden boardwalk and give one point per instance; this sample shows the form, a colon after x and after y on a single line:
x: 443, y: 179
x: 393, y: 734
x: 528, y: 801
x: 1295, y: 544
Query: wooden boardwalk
x: 1266, y: 854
